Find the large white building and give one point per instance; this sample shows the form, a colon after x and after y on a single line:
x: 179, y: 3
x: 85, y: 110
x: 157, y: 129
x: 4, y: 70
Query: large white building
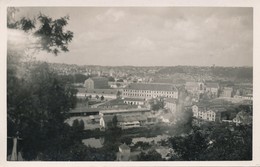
x: 207, y: 113
x: 149, y: 90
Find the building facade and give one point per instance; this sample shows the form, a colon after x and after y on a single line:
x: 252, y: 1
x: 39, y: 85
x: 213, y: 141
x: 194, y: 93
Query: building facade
x: 195, y: 87
x: 148, y: 91
x: 106, y: 93
x: 213, y: 88
x: 134, y: 101
x: 227, y: 92
x: 171, y: 104
x: 207, y: 113
x: 96, y: 83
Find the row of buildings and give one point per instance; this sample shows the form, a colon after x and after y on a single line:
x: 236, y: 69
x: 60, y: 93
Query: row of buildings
x: 217, y: 113
x: 219, y: 91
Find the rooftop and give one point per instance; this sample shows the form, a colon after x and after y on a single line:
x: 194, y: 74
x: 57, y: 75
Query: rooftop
x: 152, y: 86
x: 133, y: 99
x: 98, y: 91
x: 131, y: 118
x: 124, y: 111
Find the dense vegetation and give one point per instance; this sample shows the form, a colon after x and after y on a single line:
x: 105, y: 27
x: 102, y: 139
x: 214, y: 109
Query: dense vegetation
x: 214, y: 142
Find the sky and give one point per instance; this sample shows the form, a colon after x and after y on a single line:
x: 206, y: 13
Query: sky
x: 154, y: 36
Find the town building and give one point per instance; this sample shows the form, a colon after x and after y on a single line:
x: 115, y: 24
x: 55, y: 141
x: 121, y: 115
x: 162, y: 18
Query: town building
x: 96, y: 83
x: 227, y: 92
x: 106, y: 121
x: 131, y: 121
x: 106, y: 93
x: 213, y: 88
x: 195, y: 87
x: 170, y: 104
x: 243, y: 118
x: 123, y: 121
x: 244, y: 97
x: 132, y: 111
x: 207, y: 113
x: 149, y: 90
x: 134, y: 101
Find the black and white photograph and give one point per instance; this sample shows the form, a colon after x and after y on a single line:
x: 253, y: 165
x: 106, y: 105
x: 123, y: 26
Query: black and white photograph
x: 129, y: 83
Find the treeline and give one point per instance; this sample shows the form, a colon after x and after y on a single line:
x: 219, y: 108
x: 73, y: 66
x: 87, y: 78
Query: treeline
x: 237, y: 73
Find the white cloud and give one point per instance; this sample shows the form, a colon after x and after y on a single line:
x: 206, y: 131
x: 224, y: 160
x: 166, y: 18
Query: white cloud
x: 142, y: 43
x: 111, y: 15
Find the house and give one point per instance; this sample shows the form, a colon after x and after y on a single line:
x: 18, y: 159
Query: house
x: 243, y: 118
x: 227, y: 92
x: 131, y: 121
x: 207, y: 113
x: 106, y: 121
x: 170, y: 104
x: 150, y: 90
x: 124, y: 121
x: 213, y: 88
x: 134, y: 101
x: 195, y: 87
x: 244, y: 97
x: 106, y: 93
x: 96, y: 83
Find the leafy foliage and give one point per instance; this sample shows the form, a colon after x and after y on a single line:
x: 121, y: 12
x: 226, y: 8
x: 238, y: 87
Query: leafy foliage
x: 151, y: 155
x: 157, y: 104
x: 214, y: 142
x: 51, y: 34
x: 37, y: 108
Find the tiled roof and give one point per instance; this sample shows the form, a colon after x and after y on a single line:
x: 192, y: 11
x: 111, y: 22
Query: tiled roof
x: 133, y: 99
x: 151, y: 86
x: 98, y: 91
x: 131, y: 118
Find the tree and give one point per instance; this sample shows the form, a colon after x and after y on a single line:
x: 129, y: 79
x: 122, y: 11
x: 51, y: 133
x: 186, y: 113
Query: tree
x: 190, y: 147
x: 118, y: 94
x: 50, y: 34
x: 126, y: 140
x: 114, y: 122
x: 118, y: 84
x: 157, y: 104
x: 37, y: 99
x: 214, y: 142
x: 39, y: 109
x: 102, y: 98
x: 97, y: 97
